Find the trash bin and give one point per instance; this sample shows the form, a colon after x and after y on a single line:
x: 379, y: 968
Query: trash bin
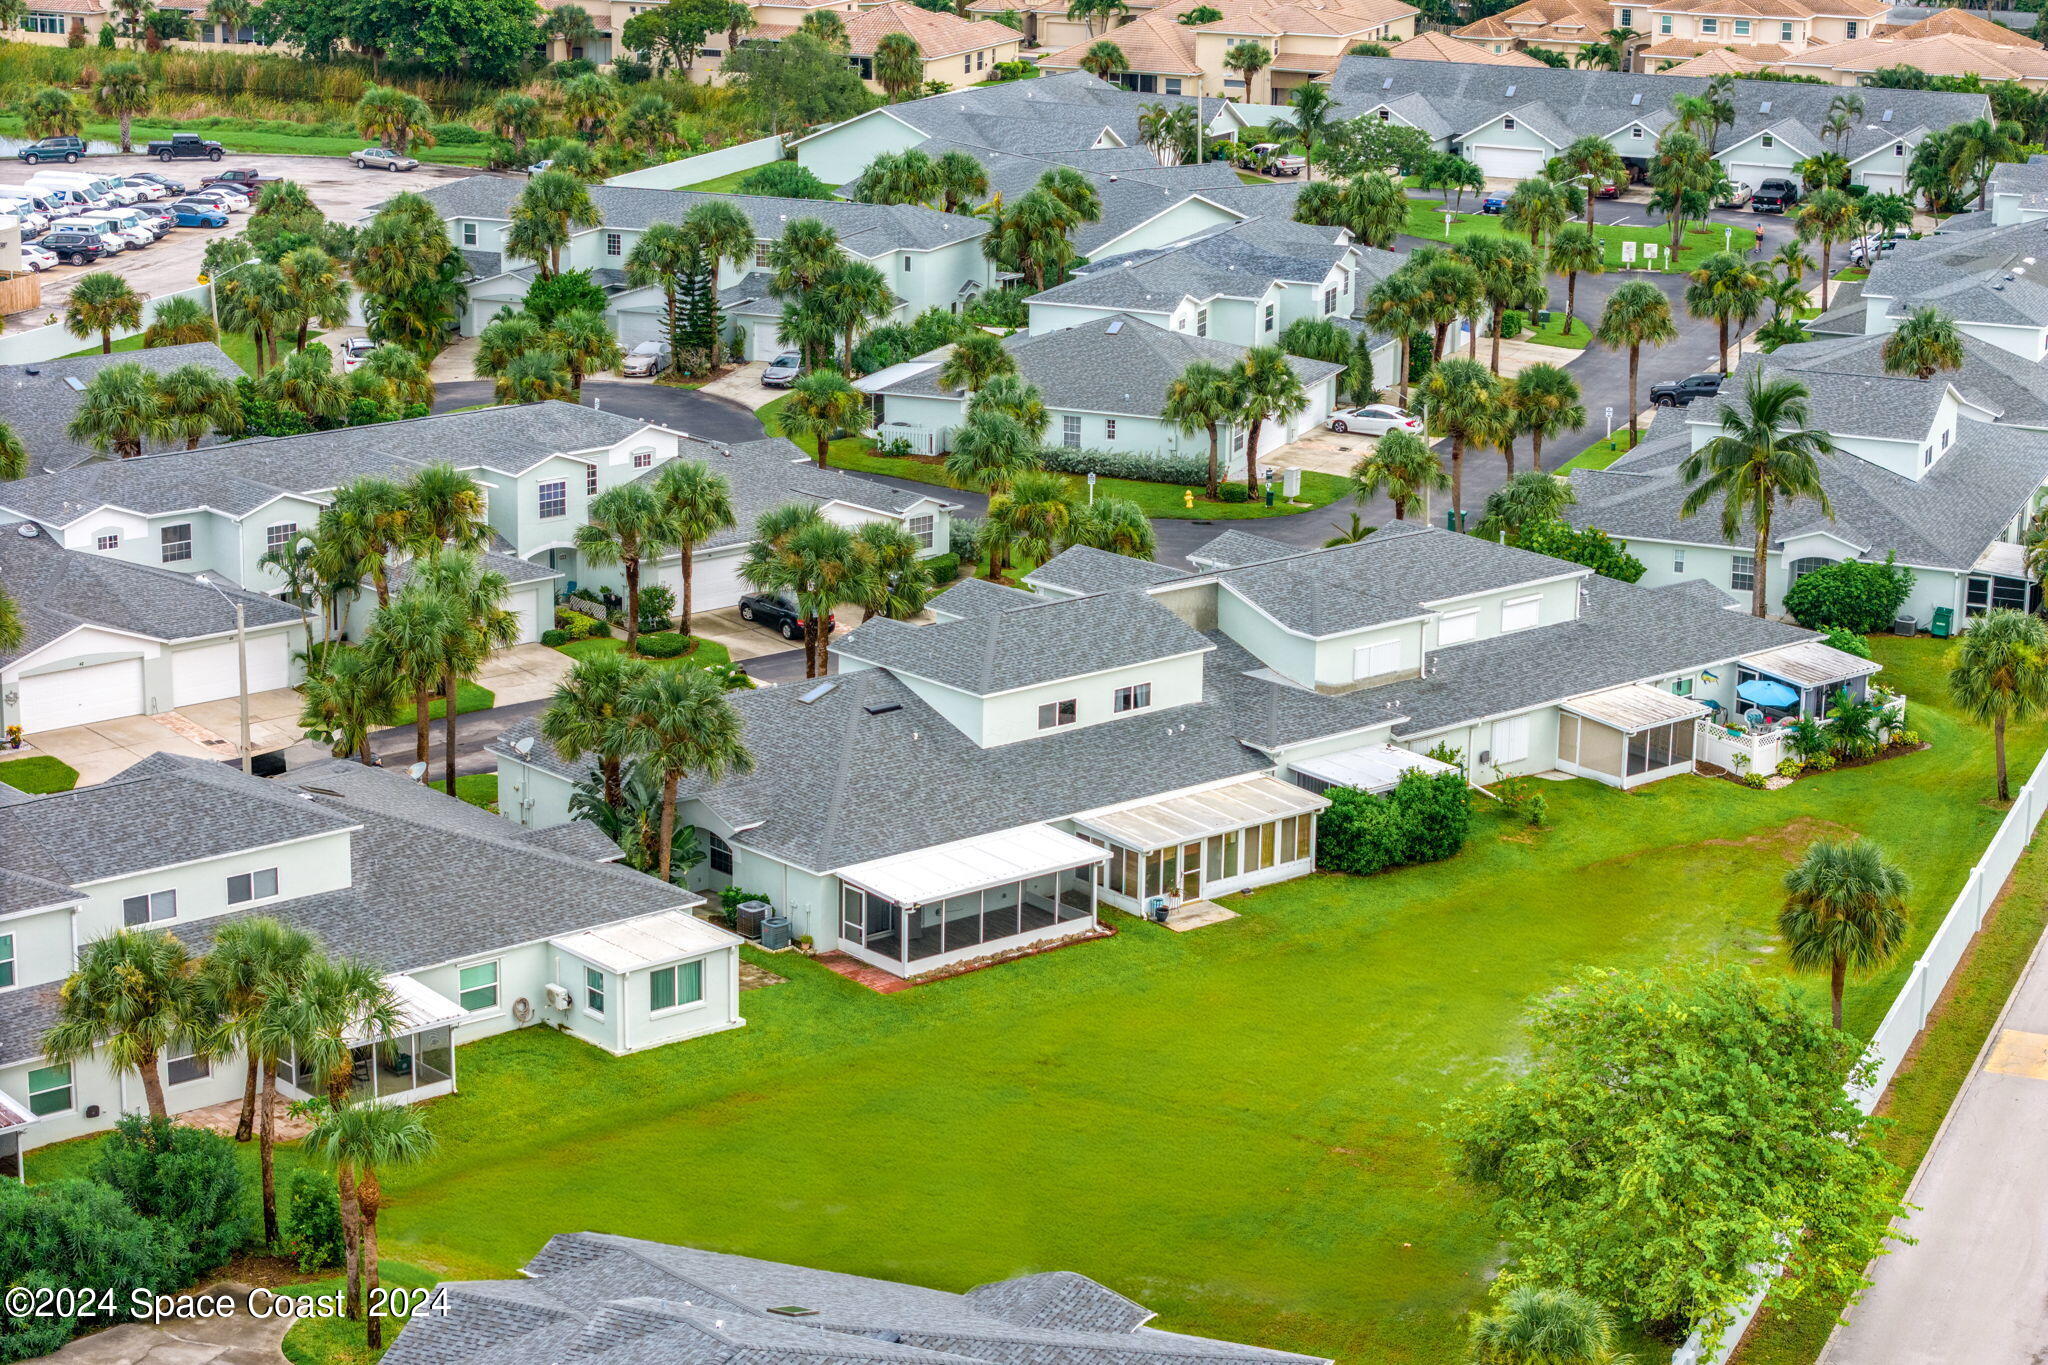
x: 747, y: 919
x: 775, y: 931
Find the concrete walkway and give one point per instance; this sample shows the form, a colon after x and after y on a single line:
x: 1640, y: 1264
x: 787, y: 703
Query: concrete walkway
x: 238, y: 1337
x: 743, y: 386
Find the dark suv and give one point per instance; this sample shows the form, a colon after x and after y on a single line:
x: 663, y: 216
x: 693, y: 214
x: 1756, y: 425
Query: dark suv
x: 66, y: 149
x: 777, y: 612
x: 74, y: 248
x: 1681, y: 393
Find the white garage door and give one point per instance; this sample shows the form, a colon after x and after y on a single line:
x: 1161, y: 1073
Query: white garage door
x: 81, y: 696
x: 635, y: 328
x: 1754, y: 173
x: 764, y: 341
x: 1885, y: 182
x: 526, y: 606
x: 211, y: 672
x: 715, y: 583
x: 1507, y: 163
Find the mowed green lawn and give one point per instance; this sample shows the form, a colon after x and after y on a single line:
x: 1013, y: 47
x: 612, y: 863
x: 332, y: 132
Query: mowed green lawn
x: 1231, y: 1125
x: 1426, y: 220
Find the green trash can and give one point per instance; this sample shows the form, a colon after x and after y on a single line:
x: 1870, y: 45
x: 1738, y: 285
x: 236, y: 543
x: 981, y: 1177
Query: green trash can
x: 1943, y: 624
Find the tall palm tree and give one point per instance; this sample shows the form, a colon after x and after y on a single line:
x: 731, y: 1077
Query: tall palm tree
x: 962, y: 181
x: 1682, y: 172
x: 1527, y: 499
x: 1402, y: 466
x: 798, y: 552
x: 120, y: 411
x: 587, y: 715
x: 990, y: 452
x: 1975, y: 148
x: 1765, y: 452
x: 350, y: 694
x: 1315, y: 114
x: 1373, y: 207
x: 477, y: 595
x: 12, y: 632
x: 1465, y: 403
x: 270, y: 963
x: 1117, y: 525
x: 662, y: 258
x: 1091, y: 12
x: 362, y: 1139
x: 235, y: 977
x: 820, y: 406
x: 517, y: 116
x: 625, y: 525
x: 802, y: 256
x: 1015, y: 396
x: 318, y: 292
x: 132, y: 994
x: 395, y: 118
x: 1248, y: 59
x: 1540, y: 206
x: 445, y: 509
x: 895, y: 581
x: 308, y: 384
x: 1104, y: 60
x: 1267, y: 388
x: 1724, y: 287
x: 1399, y: 305
x: 102, y: 303
x: 1843, y: 113
x: 898, y: 64
x: 376, y: 514
x: 683, y: 724
x: 696, y: 504
x: 122, y: 93
x: 1845, y: 906
x: 395, y: 375
x: 1592, y: 162
x: 974, y: 360
x: 1451, y: 290
x: 854, y: 294
x: 1203, y: 397
x: 1575, y: 251
x: 1637, y: 315
x: 1531, y: 1325
x: 552, y: 204
x: 197, y: 402
x: 585, y: 342
x: 1545, y: 402
x: 1924, y: 343
x: 1998, y: 673
x: 1034, y: 513
x: 256, y: 300
x: 719, y: 233
x: 1827, y: 217
x: 1510, y: 276
x: 414, y: 641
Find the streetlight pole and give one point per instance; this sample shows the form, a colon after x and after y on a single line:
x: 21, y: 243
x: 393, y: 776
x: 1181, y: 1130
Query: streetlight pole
x: 242, y: 665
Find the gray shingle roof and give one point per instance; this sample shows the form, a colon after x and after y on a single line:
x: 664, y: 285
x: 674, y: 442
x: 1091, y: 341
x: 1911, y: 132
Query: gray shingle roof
x: 1850, y: 392
x: 1980, y: 276
x: 1239, y: 261
x: 1234, y: 548
x: 38, y: 403
x: 618, y: 1299
x: 770, y: 472
x: 58, y: 590
x: 1082, y: 568
x: 979, y: 597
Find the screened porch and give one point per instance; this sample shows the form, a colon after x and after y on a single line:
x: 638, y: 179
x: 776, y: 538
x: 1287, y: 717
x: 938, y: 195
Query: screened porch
x: 1204, y: 844
x: 416, y: 1061
x: 1626, y: 736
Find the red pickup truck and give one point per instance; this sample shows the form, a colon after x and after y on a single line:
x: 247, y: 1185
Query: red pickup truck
x: 241, y: 178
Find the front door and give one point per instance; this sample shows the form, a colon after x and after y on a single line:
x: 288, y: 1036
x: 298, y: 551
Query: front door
x: 1191, y: 872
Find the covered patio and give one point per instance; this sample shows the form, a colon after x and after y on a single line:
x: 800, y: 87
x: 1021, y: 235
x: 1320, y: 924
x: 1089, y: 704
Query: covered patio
x: 1628, y: 735
x: 415, y: 1061
x: 1204, y: 844
x: 1371, y: 768
x: 917, y: 912
x: 1798, y: 680
x: 14, y: 1119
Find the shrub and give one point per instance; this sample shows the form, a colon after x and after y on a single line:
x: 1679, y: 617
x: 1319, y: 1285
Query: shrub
x: 1003, y: 307
x: 600, y: 630
x: 664, y: 644
x: 1754, y: 780
x: 554, y: 639
x: 1788, y: 767
x: 731, y: 898
x: 1848, y: 641
x: 1909, y: 738
x: 657, y: 604
x: 943, y: 568
x: 1511, y: 323
x: 1127, y: 464
x: 312, y: 1221
x: 631, y: 72
x: 575, y: 624
x: 784, y: 180
x: 1230, y: 492
x: 1821, y: 762
x: 1423, y: 819
x: 1854, y: 595
x: 458, y: 135
x: 76, y: 1234
x: 186, y: 1179
x: 1591, y: 547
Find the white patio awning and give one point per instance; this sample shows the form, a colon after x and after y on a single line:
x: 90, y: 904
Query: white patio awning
x: 927, y: 875
x: 13, y: 1116
x: 1197, y: 815
x: 419, y: 1007
x: 1809, y: 663
x: 1634, y: 706
x: 1370, y: 767
x: 647, y: 941
x: 2004, y: 559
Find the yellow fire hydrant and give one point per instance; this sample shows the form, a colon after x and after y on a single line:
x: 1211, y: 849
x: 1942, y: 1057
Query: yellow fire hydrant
x: 1188, y: 498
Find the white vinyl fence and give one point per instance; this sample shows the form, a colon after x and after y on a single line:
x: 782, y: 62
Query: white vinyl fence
x: 693, y: 170
x: 1924, y: 984
x: 54, y: 340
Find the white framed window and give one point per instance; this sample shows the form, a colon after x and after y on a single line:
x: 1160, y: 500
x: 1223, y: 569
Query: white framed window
x: 1269, y: 317
x: 1628, y: 18
x: 1387, y: 115
x: 1947, y: 436
x: 477, y: 986
x: 1109, y: 428
x: 107, y: 540
x: 1201, y: 322
x: 182, y: 1065
x: 469, y: 234
x: 1054, y: 714
x: 924, y: 530
x: 614, y: 244
x: 671, y: 988
x: 719, y: 853
x: 1136, y: 697
x: 252, y: 886
x: 1850, y: 28
x: 1769, y: 141
x: 1510, y: 740
x: 1173, y: 85
x: 1898, y: 149
x: 1710, y: 25
x: 1520, y: 613
x: 1785, y: 33
x: 554, y: 498
x: 1070, y: 431
x: 1742, y: 28
x: 1636, y: 132
x: 1375, y: 660
x: 589, y: 483
x: 906, y: 265
x: 967, y: 63
x: 149, y: 909
x: 6, y: 960
x: 1330, y: 300
x: 1681, y: 687
x: 1457, y: 627
x: 643, y: 459
x: 176, y: 542
x: 1742, y: 573
x: 1664, y: 23
x: 761, y: 253
x: 278, y: 536
x: 1678, y: 561
x: 49, y: 1090
x: 593, y: 992
x: 1508, y: 123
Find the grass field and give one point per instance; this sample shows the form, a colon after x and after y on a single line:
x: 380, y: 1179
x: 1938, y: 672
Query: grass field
x: 38, y: 774
x: 251, y: 140
x: 1603, y: 454
x: 1426, y: 220
x: 479, y: 789
x: 237, y: 345
x: 729, y: 183
x: 468, y: 697
x: 1576, y: 337
x: 1232, y: 1126
x: 707, y: 654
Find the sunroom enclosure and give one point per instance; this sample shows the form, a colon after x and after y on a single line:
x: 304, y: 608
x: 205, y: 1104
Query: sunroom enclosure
x: 1205, y: 843
x: 415, y: 1061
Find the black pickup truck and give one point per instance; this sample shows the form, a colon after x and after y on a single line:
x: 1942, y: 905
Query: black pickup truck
x: 1680, y: 393
x: 186, y: 147
x: 242, y: 178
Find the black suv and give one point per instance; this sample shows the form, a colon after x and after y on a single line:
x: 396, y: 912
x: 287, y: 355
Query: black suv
x: 1774, y: 196
x: 777, y: 612
x: 1681, y: 393
x: 74, y: 248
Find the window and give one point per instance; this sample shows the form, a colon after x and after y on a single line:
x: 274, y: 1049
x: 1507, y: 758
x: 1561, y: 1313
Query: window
x: 49, y: 1090
x: 1946, y: 437
x: 967, y: 62
x: 1742, y: 573
x: 721, y: 853
x: 924, y: 530
x: 760, y: 253
x: 1521, y: 613
x: 157, y: 905
x: 107, y: 540
x: 1269, y: 317
x: 1784, y: 33
x: 1664, y: 24
x: 1387, y: 115
x: 1628, y: 18
x: 1457, y: 627
x: 589, y: 482
x: 6, y: 960
x: 1636, y: 131
x: 252, y: 886
x: 1769, y: 141
x: 1742, y: 28
x: 477, y: 986
x: 1109, y: 428
x: 906, y: 265
x: 1375, y: 660
x: 1070, y: 431
x: 1678, y: 561
x: 1330, y: 300
x: 1134, y: 698
x: 1710, y: 25
x: 278, y: 536
x: 671, y: 987
x: 593, y: 991
x: 1173, y: 85
x: 1799, y: 568
x: 181, y: 1066
x: 1850, y: 28
x: 614, y: 244
x: 1508, y: 123
x: 469, y: 234
x: 1054, y: 714
x: 1201, y: 322
x: 1681, y: 687
x: 643, y: 459
x: 1898, y: 149
x: 176, y: 542
x: 554, y: 498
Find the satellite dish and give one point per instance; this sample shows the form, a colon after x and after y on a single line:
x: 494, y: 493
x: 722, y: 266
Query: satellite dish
x: 523, y: 747
x: 416, y: 771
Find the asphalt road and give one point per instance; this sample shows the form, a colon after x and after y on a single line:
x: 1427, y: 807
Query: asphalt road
x: 1970, y: 1289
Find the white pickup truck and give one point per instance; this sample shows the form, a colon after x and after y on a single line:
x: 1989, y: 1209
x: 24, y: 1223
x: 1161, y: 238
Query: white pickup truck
x: 1266, y: 157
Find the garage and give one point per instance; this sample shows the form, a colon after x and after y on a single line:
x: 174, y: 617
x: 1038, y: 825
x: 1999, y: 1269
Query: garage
x: 714, y: 582
x: 1754, y: 173
x: 764, y: 338
x: 81, y: 696
x: 1885, y: 183
x: 211, y: 672
x: 636, y: 326
x: 1507, y: 163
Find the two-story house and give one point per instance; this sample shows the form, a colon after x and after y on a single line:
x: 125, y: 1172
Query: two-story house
x: 1759, y: 30
x: 1127, y: 733
x: 482, y: 926
x: 39, y: 401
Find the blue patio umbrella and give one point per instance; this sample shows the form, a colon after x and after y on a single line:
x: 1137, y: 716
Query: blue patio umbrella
x: 1765, y: 692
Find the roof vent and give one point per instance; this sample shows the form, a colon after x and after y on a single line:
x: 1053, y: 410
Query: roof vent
x: 820, y: 690
x: 882, y: 708
x: 28, y: 530
x: 310, y: 792
x: 77, y: 384
x: 792, y: 1311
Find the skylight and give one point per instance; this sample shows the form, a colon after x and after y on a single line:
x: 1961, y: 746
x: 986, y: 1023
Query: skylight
x: 75, y: 382
x: 1636, y: 98
x: 1114, y: 327
x: 1387, y: 84
x: 1764, y: 108
x: 1886, y: 117
x: 1508, y: 92
x: 820, y: 690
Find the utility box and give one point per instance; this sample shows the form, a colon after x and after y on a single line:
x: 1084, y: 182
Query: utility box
x: 1290, y: 484
x: 749, y: 916
x: 775, y: 932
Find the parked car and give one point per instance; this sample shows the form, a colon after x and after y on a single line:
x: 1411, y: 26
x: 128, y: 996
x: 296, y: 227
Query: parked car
x: 172, y: 188
x: 158, y: 220
x: 1859, y: 251
x: 1375, y: 419
x: 783, y: 371
x: 537, y: 167
x: 66, y: 149
x: 777, y: 611
x: 1774, y: 196
x: 241, y: 179
x: 141, y: 186
x: 382, y: 159
x: 185, y: 147
x: 1680, y: 393
x: 38, y: 258
x: 74, y: 246
x: 1738, y: 199
x: 225, y: 200
x: 647, y: 359
x: 1609, y: 191
x: 30, y: 221
x: 1267, y: 157
x: 198, y: 213
x: 355, y: 351
x: 1494, y: 203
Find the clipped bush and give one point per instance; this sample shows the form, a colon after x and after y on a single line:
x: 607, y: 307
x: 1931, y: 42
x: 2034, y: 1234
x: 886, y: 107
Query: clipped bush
x: 79, y: 1235
x: 1848, y: 641
x: 600, y: 630
x: 1127, y: 464
x: 311, y: 1227
x: 1591, y: 547
x: 664, y: 644
x: 554, y: 639
x: 784, y: 180
x: 1423, y: 819
x: 1230, y: 492
x: 1003, y: 307
x: 575, y: 624
x: 186, y: 1179
x: 458, y: 135
x: 1859, y: 597
x: 1511, y: 323
x: 657, y: 605
x: 943, y: 568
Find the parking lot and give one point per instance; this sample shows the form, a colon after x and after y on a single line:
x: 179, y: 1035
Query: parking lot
x: 344, y: 193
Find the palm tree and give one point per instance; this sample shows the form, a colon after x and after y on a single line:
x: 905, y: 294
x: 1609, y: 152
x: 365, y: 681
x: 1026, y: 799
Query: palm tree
x: 235, y: 977
x: 683, y: 723
x: 1248, y: 59
x: 717, y: 232
x: 1204, y: 397
x: 1845, y: 905
x: 122, y: 93
x: 516, y: 117
x: 178, y: 321
x: 13, y: 455
x: 1593, y: 162
x: 820, y: 406
x: 1998, y: 672
x: 536, y: 377
x: 1575, y: 251
x: 1637, y: 315
x: 1399, y: 304
x: 1089, y: 12
x: 1451, y: 290
x: 394, y: 118
x: 625, y: 525
x: 231, y: 16
x: 1537, y: 1326
x: 196, y: 402
x: 318, y: 293
x: 572, y: 26
x: 396, y: 375
x: 1975, y: 148
x: 1373, y: 207
x: 1823, y: 170
x: 1315, y: 114
x: 1540, y: 207
x: 807, y: 249
x: 132, y: 994
x: 898, y: 64
x: 346, y: 697
x: 817, y: 575
x: 1117, y: 525
x: 100, y: 304
x: 587, y: 715
x: 361, y: 1139
x: 1104, y: 60
x: 445, y: 509
x: 1828, y: 217
x: 51, y: 112
x: 989, y: 453
x: 120, y: 411
x: 415, y: 641
x: 1764, y: 452
x: 895, y: 580
x: 12, y: 631
x: 962, y: 181
x: 552, y: 204
x: 1527, y: 499
x: 1723, y: 287
x: 307, y: 383
x: 586, y: 344
x: 1790, y: 261
x: 1925, y: 342
x: 854, y: 294
x: 1014, y: 396
x: 1465, y: 402
x: 974, y: 360
x: 1510, y: 276
x: 256, y: 300
x: 1545, y: 402
x: 1034, y: 513
x: 1843, y: 112
x: 696, y: 504
x: 1402, y: 466
x: 477, y: 595
x: 662, y: 258
x: 1682, y: 172
x: 1266, y: 387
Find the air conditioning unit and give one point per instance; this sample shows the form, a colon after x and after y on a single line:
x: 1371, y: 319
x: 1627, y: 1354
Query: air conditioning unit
x: 558, y: 997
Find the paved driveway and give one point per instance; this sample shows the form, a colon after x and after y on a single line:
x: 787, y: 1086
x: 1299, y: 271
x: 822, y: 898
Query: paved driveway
x: 743, y: 386
x: 237, y: 1338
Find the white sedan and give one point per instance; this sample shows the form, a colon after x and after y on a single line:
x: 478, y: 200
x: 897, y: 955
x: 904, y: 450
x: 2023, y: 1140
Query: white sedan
x: 355, y: 351
x: 36, y: 258
x: 1375, y: 419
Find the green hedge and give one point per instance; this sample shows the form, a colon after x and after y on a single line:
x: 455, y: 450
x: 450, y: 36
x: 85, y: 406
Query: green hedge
x: 664, y: 644
x: 1858, y: 597
x: 554, y: 639
x: 943, y: 568
x: 1423, y: 819
x: 1120, y: 464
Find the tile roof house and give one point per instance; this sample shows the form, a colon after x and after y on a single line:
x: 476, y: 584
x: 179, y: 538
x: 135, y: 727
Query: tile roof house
x: 1562, y: 26
x: 956, y: 51
x: 38, y: 401
x: 2012, y: 58
x: 1129, y: 731
x: 476, y: 920
x: 681, y: 1306
x: 1439, y: 47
